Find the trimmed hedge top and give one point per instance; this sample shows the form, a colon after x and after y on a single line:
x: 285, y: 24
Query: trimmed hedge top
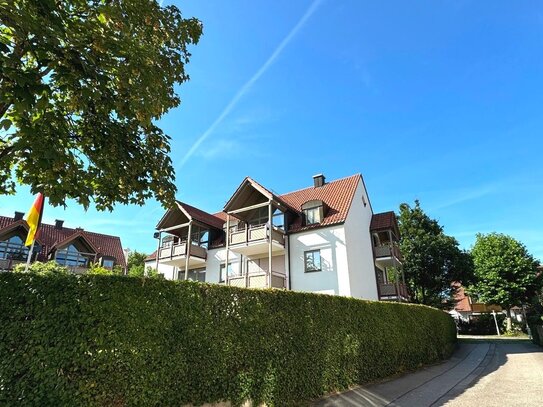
x: 121, y: 341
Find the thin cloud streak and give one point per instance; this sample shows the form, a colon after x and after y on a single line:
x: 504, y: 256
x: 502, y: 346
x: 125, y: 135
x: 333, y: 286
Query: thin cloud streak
x: 465, y: 197
x: 247, y: 86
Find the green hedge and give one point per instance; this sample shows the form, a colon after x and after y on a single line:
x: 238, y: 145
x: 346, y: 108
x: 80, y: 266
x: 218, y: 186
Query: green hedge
x: 122, y: 341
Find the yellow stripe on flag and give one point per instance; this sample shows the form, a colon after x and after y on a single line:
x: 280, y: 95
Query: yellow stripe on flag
x: 33, y: 218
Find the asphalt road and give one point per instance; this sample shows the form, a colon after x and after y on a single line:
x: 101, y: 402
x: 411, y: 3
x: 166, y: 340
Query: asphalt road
x: 480, y: 373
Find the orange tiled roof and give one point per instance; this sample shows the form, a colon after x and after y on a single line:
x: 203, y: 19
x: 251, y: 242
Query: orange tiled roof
x: 337, y: 195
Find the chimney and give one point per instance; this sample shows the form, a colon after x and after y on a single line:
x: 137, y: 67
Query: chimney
x: 318, y: 180
x: 58, y: 223
x: 18, y: 216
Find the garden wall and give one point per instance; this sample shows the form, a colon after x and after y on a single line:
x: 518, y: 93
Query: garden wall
x: 116, y: 341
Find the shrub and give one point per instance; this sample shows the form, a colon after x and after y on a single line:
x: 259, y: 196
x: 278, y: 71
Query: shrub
x: 51, y: 267
x: 111, y: 340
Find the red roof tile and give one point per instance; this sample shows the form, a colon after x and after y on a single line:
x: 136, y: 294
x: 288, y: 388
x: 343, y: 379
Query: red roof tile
x: 337, y: 196
x: 49, y: 235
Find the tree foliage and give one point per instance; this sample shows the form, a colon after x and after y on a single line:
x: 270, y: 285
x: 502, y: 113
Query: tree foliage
x: 136, y: 266
x: 135, y: 258
x: 82, y: 83
x: 505, y: 273
x: 432, y: 261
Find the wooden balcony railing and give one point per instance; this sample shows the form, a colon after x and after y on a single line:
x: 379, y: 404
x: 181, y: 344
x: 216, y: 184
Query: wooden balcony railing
x: 391, y: 290
x: 180, y: 249
x: 387, y: 250
x: 254, y: 234
x: 9, y: 264
x: 258, y: 280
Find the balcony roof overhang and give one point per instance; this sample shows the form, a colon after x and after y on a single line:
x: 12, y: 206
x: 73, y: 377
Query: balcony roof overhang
x: 251, y: 195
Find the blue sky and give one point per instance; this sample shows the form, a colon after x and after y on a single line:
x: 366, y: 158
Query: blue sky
x: 437, y: 101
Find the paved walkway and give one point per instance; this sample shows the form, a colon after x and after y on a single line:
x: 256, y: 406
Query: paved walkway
x: 481, y: 373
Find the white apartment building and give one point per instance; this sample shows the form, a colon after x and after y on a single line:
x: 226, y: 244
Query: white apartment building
x: 322, y: 239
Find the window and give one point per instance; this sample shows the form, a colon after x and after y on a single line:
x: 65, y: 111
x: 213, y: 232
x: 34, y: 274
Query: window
x: 70, y: 256
x: 200, y: 236
x: 260, y: 217
x: 14, y: 248
x: 278, y: 219
x: 197, y: 275
x: 313, y: 211
x: 108, y: 263
x: 312, y: 260
x: 231, y: 273
x: 312, y: 215
x: 168, y: 241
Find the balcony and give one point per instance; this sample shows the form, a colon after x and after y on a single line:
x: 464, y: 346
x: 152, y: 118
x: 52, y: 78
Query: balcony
x: 390, y: 291
x: 254, y: 240
x: 258, y: 280
x: 176, y: 255
x: 387, y: 253
x: 9, y: 264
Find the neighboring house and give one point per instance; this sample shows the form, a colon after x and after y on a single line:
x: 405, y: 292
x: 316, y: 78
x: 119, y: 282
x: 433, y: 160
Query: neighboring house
x: 465, y: 307
x: 73, y: 248
x: 322, y: 239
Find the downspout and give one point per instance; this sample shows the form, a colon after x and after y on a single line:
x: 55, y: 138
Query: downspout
x: 287, y: 249
x: 227, y: 248
x: 270, y: 245
x: 157, y: 253
x: 187, y: 250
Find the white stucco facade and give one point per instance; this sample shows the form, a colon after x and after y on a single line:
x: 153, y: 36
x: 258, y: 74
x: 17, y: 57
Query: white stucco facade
x: 359, y: 246
x: 344, y: 248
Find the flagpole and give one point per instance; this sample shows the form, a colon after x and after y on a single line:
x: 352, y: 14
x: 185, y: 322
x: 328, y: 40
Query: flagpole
x: 29, y: 257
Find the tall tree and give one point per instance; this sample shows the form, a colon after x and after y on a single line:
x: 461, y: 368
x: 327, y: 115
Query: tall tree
x: 82, y: 83
x: 505, y: 273
x: 432, y: 261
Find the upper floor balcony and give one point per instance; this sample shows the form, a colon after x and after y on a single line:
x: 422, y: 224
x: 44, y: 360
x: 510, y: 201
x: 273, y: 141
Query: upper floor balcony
x: 254, y: 239
x: 174, y: 253
x: 387, y: 253
x: 259, y: 280
x: 393, y: 292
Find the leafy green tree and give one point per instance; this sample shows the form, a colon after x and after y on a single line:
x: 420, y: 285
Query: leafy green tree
x: 82, y: 83
x: 142, y: 271
x: 505, y: 273
x: 135, y: 258
x: 432, y: 261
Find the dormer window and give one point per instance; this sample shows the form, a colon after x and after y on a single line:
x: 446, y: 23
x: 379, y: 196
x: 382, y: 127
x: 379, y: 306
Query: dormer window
x: 313, y: 212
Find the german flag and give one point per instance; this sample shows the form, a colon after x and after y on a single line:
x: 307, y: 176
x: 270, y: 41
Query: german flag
x: 33, y: 218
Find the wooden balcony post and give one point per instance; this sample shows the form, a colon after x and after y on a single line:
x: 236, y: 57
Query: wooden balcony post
x: 227, y: 248
x: 270, y: 214
x: 187, y: 251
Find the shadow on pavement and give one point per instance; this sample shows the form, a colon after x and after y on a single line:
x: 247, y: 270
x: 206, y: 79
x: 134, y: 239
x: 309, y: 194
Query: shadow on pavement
x: 438, y: 384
